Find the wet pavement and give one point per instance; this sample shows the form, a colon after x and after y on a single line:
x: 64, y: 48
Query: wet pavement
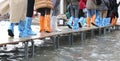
x: 99, y: 48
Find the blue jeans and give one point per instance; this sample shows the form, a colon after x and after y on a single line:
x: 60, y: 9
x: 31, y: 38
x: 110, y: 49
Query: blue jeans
x: 74, y: 10
x: 90, y: 12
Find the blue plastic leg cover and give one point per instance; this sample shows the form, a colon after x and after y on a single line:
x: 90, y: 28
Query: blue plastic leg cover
x: 103, y: 21
x: 108, y: 21
x: 11, y: 30
x: 21, y: 28
x: 97, y: 21
x: 69, y: 23
x: 76, y: 25
x: 81, y: 22
x: 28, y: 30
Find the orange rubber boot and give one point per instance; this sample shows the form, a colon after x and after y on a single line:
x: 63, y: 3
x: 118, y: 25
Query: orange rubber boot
x: 93, y: 19
x: 42, y: 25
x: 115, y: 21
x: 88, y: 22
x: 47, y: 23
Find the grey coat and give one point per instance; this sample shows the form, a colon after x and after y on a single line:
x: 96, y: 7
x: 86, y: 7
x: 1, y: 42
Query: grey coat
x: 91, y: 4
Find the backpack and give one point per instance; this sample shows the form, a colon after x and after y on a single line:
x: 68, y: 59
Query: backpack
x: 98, y: 2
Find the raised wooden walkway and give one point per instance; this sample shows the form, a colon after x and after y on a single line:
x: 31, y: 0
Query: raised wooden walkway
x: 55, y: 36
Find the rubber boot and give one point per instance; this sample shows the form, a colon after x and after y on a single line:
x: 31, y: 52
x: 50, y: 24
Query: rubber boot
x: 42, y: 27
x: 115, y: 22
x: 54, y: 24
x: 76, y: 25
x: 47, y: 23
x: 108, y: 21
x: 93, y: 19
x: 81, y: 22
x: 11, y: 30
x: 28, y: 30
x: 97, y: 21
x: 88, y: 22
x: 70, y: 22
x: 103, y: 22
x: 100, y: 20
x: 21, y: 28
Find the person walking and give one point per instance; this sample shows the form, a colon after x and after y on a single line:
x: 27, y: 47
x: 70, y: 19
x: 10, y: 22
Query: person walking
x: 44, y: 7
x: 74, y: 10
x: 91, y: 12
x: 28, y: 30
x: 114, y: 10
x: 18, y: 9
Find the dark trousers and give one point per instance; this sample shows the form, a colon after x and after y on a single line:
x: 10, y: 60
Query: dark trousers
x: 44, y: 11
x: 30, y: 8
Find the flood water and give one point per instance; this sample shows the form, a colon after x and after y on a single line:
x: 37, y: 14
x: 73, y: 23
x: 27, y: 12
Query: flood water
x: 98, y: 48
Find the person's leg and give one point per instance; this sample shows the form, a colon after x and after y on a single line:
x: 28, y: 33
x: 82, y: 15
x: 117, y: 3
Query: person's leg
x: 89, y: 13
x: 42, y: 19
x: 21, y: 27
x: 11, y: 30
x: 98, y: 18
x: 48, y: 20
x: 54, y: 20
x: 76, y: 20
x: 70, y: 21
x: 116, y: 17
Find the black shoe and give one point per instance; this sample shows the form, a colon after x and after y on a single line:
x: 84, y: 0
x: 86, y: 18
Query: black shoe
x: 80, y: 25
x: 69, y: 26
x: 94, y: 24
x: 10, y: 33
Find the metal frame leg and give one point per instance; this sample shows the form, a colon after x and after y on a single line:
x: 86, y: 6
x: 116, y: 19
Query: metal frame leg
x: 99, y: 31
x: 55, y: 42
x: 92, y: 33
x: 26, y: 51
x: 82, y: 36
x: 33, y: 48
x: 104, y: 31
x: 70, y: 39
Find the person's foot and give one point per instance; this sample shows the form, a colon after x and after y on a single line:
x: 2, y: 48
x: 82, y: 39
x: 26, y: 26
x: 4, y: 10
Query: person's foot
x: 69, y: 26
x: 80, y: 25
x: 94, y: 24
x: 10, y: 33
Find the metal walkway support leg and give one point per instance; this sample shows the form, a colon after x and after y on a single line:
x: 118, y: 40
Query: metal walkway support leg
x: 55, y: 42
x: 33, y: 48
x: 82, y: 36
x: 99, y: 31
x: 70, y: 40
x: 117, y: 27
x: 92, y: 33
x: 104, y: 31
x: 109, y: 29
x: 26, y: 51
